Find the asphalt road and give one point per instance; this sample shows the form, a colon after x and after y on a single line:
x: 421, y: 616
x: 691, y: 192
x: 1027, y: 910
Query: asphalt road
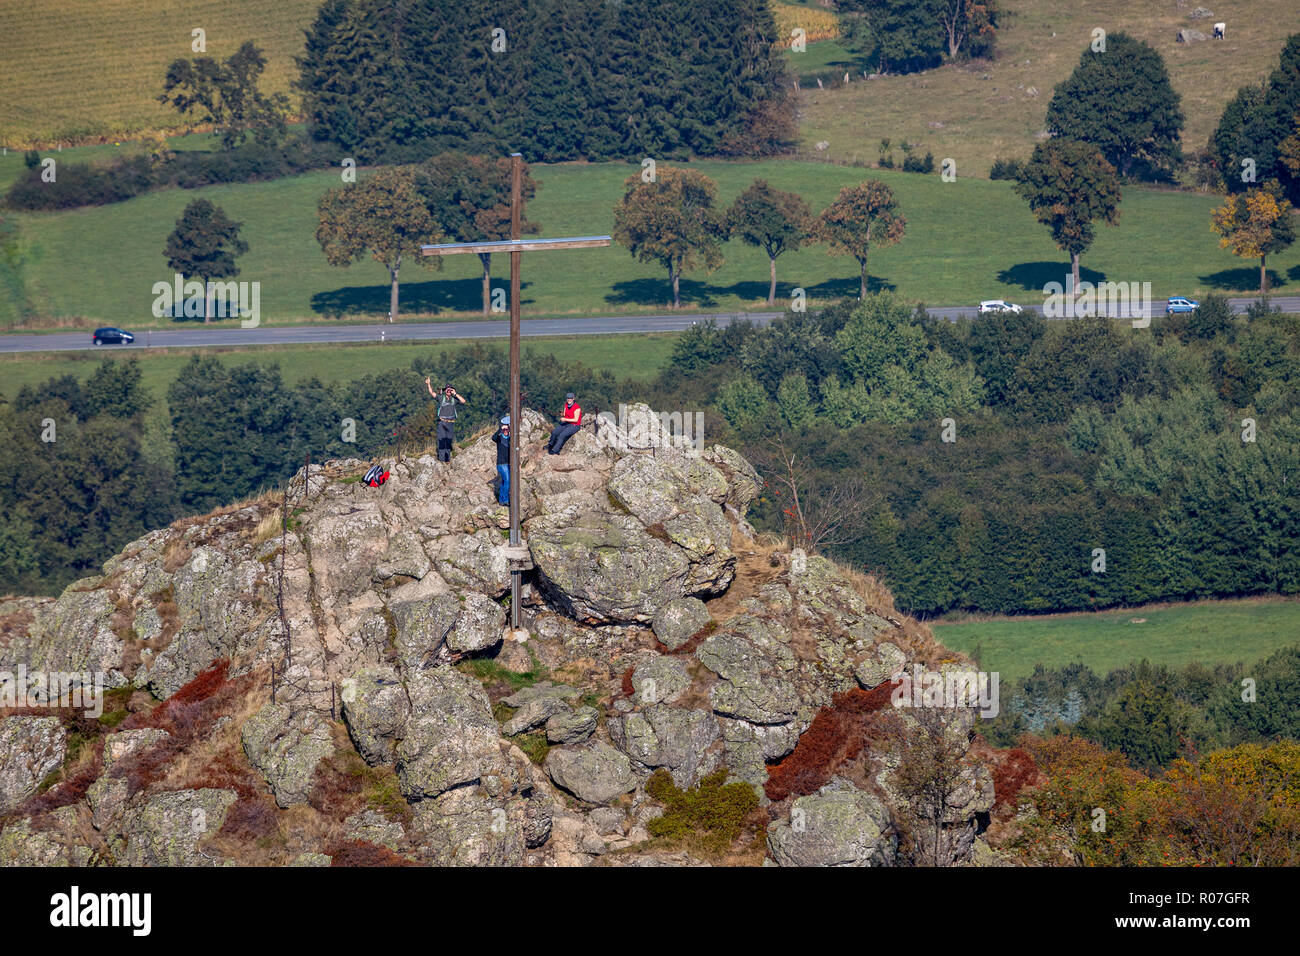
x: 270, y: 334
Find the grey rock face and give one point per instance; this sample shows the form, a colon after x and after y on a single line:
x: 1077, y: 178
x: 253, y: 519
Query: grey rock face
x: 596, y: 772
x: 31, y: 748
x: 572, y: 727
x: 286, y: 748
x: 375, y: 709
x: 679, y: 620
x: 750, y: 688
x: 839, y: 825
x: 675, y: 739
x: 167, y: 830
x: 450, y: 738
x: 607, y: 567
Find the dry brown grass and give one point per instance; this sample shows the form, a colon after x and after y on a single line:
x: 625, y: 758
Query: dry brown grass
x: 980, y: 111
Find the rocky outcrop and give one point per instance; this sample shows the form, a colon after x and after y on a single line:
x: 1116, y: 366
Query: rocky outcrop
x: 380, y: 699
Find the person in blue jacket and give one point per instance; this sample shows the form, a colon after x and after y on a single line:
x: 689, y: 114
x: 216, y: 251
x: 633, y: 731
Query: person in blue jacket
x: 502, y: 438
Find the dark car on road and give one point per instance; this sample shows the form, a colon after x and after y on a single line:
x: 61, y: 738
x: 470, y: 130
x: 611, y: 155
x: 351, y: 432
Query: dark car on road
x: 111, y: 336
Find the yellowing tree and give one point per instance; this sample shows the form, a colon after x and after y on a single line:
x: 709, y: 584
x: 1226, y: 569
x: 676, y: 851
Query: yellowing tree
x: 1255, y: 224
x: 672, y: 220
x: 860, y: 216
x: 383, y: 216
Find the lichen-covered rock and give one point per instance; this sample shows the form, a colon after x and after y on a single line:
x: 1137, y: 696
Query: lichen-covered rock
x: 375, y: 709
x: 680, y: 620
x: 572, y: 727
x: 422, y: 627
x: 286, y: 746
x: 659, y: 679
x: 450, y: 738
x: 467, y: 828
x: 607, y: 567
x: 169, y: 828
x: 53, y: 844
x: 676, y: 739
x: 595, y: 772
x: 839, y: 825
x: 479, y: 625
x: 373, y: 827
x: 533, y: 713
x: 31, y: 748
x: 880, y: 665
x: 751, y: 689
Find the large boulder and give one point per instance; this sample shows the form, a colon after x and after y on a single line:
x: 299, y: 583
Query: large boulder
x: 167, y: 829
x: 676, y: 739
x: 375, y: 709
x: 750, y: 688
x: 596, y: 773
x: 286, y: 746
x: 679, y: 620
x: 839, y: 825
x: 607, y: 567
x: 450, y: 739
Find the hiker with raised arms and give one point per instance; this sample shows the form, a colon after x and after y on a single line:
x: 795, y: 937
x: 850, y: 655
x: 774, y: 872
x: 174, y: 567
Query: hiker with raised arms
x: 446, y: 417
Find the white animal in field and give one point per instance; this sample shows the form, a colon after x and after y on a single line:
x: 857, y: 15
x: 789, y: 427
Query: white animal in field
x: 1219, y: 29
x: 823, y: 146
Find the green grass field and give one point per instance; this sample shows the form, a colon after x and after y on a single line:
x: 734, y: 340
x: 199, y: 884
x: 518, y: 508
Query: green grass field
x: 982, y: 110
x: 1209, y: 632
x: 628, y: 356
x: 967, y: 240
x: 85, y: 69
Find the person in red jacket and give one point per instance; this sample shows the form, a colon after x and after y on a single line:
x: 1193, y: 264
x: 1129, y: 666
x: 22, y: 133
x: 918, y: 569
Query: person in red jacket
x: 570, y: 422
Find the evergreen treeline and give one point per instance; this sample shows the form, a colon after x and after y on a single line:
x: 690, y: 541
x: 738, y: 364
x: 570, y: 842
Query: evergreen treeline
x: 400, y: 80
x: 1070, y: 439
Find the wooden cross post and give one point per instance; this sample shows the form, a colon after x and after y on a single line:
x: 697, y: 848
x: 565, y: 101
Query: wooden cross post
x: 516, y: 247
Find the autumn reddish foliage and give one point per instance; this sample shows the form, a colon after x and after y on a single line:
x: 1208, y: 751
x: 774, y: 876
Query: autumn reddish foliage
x: 838, y: 734
x: 628, y: 689
x: 1013, y: 770
x: 187, y: 716
x: 361, y: 853
x: 70, y: 790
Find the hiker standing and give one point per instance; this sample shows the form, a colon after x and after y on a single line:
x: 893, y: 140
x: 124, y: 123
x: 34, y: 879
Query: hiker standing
x: 446, y: 418
x: 570, y: 422
x: 502, y: 438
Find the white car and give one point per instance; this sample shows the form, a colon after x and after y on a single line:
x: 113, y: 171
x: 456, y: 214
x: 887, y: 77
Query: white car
x: 999, y: 305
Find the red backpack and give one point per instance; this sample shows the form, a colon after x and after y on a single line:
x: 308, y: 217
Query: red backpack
x: 376, y: 476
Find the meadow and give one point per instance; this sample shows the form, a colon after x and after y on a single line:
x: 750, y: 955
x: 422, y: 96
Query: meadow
x: 978, y: 111
x: 1208, y: 632
x: 966, y: 240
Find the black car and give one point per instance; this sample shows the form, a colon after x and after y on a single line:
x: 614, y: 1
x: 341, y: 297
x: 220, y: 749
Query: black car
x: 108, y: 336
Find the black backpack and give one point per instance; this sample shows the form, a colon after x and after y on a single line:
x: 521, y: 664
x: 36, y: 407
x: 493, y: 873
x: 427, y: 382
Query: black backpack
x: 376, y: 476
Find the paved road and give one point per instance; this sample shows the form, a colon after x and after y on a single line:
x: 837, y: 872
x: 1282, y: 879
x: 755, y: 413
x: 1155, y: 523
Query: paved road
x: 423, y: 332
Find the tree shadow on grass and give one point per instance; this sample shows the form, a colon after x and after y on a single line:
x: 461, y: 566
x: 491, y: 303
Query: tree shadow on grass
x: 702, y: 295
x: 1244, y: 278
x: 431, y: 296
x: 1034, y: 276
